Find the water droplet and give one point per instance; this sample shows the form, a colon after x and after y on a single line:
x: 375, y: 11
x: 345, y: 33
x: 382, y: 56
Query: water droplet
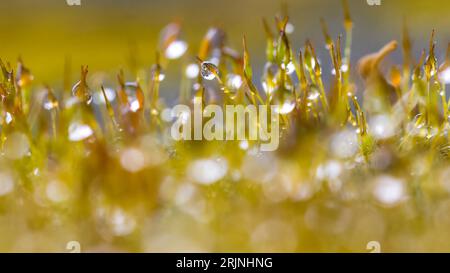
x: 209, y: 71
x: 268, y: 88
x: 161, y: 77
x: 285, y: 104
x: 344, y: 68
x: 290, y: 67
x: 8, y: 118
x: 135, y: 105
x: 79, y: 131
x: 192, y: 71
x: 313, y: 94
x: 81, y: 91
x: 158, y: 72
x: 176, y: 49
x: 234, y: 81
x: 98, y: 97
x: 50, y: 101
x: 286, y: 107
x: 24, y: 76
x: 134, y: 96
x: 270, y: 69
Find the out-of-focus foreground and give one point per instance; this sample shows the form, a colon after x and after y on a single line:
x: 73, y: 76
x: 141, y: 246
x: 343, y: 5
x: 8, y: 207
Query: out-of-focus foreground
x: 363, y: 156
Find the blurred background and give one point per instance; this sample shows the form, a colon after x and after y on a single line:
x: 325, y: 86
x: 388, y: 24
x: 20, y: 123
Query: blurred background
x: 51, y: 36
x: 114, y: 34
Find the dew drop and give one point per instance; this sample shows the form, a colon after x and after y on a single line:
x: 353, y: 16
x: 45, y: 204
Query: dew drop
x: 135, y: 105
x: 8, y: 118
x: 158, y: 73
x: 286, y: 107
x: 81, y: 91
x: 209, y: 71
x: 285, y: 104
x: 50, y: 102
x: 290, y: 67
x: 161, y: 77
x: 313, y: 94
x: 98, y: 97
x: 234, y: 81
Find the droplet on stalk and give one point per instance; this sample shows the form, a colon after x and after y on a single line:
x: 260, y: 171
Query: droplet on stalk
x: 313, y: 94
x: 81, y: 89
x: 234, y: 81
x: 209, y: 71
x: 50, y: 101
x: 135, y: 96
x: 285, y: 103
x: 289, y: 68
x: 24, y: 76
x: 158, y: 73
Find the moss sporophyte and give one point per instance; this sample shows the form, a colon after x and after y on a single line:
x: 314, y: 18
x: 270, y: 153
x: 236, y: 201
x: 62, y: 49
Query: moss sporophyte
x: 305, y: 156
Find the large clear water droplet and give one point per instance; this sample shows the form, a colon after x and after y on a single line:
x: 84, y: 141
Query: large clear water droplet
x: 50, y: 102
x: 81, y: 91
x: 234, y: 81
x: 285, y: 104
x: 209, y: 71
